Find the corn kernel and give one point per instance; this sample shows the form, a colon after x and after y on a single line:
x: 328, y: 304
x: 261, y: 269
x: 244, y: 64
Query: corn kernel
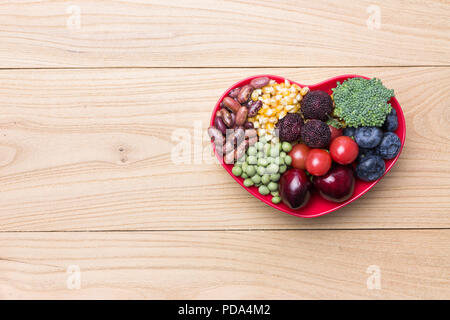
x: 304, y: 91
x: 268, y: 112
x: 289, y: 107
x: 267, y: 89
x: 255, y: 95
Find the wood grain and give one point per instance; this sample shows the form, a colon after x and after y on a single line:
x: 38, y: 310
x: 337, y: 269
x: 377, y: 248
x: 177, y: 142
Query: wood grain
x: 91, y: 150
x: 211, y: 33
x: 413, y: 264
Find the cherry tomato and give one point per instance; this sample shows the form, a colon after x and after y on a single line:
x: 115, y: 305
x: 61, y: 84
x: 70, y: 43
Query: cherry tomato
x: 344, y: 150
x: 318, y: 162
x: 335, y: 132
x: 299, y: 153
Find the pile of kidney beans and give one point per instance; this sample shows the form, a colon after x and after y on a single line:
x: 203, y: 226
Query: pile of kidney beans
x: 231, y: 133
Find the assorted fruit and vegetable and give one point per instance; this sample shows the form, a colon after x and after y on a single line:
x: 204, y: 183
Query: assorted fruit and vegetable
x: 288, y: 141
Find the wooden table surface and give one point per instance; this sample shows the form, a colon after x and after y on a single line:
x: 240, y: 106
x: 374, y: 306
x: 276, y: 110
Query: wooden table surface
x: 93, y: 206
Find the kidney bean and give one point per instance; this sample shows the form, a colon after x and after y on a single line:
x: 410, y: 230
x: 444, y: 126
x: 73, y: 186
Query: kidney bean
x: 249, y: 125
x: 234, y: 92
x: 239, y: 132
x: 249, y: 133
x: 253, y: 107
x: 259, y: 82
x: 216, y: 136
x: 226, y: 117
x: 241, y: 116
x: 219, y: 149
x: 252, y: 140
x: 244, y: 94
x: 229, y: 157
x: 231, y: 104
x: 234, y: 137
x: 219, y: 124
x: 240, y: 150
x: 233, y: 120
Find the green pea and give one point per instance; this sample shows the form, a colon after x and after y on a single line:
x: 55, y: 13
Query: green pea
x: 265, y: 179
x: 266, y: 149
x: 244, y: 175
x: 238, y: 164
x: 248, y: 182
x: 261, y: 155
x: 256, y: 179
x: 259, y: 145
x: 288, y: 160
x: 262, y: 162
x: 252, y: 151
x: 275, y: 193
x: 274, y: 151
x: 275, y: 177
x: 244, y: 166
x: 272, y: 168
x: 279, y: 161
x: 237, y: 171
x: 286, y: 146
x: 241, y: 159
x: 276, y: 200
x: 263, y: 190
x: 270, y: 160
x: 263, y: 140
x: 282, y: 154
x: 273, y: 186
x: 252, y: 160
x: 283, y: 168
x: 261, y: 170
x: 250, y: 171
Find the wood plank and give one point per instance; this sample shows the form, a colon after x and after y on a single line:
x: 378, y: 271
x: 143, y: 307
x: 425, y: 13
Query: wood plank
x: 91, y: 150
x: 412, y: 264
x: 243, y: 33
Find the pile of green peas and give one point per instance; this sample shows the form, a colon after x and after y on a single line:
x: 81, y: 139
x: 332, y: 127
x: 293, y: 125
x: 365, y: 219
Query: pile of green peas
x: 262, y: 166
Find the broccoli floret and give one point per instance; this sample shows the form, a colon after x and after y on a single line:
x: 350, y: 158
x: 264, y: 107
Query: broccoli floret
x: 361, y: 102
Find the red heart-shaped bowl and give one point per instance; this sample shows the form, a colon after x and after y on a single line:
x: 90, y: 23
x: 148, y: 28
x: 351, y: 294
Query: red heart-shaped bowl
x: 317, y: 206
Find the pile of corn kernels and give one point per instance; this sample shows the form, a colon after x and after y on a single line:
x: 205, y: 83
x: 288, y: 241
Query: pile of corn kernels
x: 278, y: 99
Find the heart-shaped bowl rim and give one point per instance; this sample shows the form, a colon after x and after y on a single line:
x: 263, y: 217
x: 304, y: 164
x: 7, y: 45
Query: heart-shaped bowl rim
x: 317, y: 206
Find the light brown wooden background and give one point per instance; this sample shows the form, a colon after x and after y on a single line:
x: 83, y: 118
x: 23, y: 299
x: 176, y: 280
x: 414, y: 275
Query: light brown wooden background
x: 86, y: 177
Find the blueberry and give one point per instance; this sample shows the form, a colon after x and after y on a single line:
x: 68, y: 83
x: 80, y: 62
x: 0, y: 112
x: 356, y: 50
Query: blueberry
x: 370, y: 168
x: 349, y: 132
x: 391, y: 122
x: 363, y: 152
x: 368, y: 137
x: 389, y: 146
